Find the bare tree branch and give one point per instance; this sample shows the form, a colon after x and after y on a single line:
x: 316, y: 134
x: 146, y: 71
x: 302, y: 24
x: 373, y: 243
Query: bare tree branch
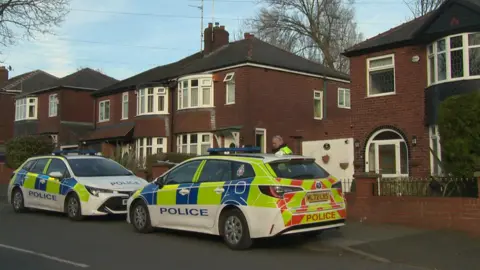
x: 422, y: 7
x: 319, y: 30
x: 26, y: 18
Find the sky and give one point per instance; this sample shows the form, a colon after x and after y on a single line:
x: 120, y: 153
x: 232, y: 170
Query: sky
x: 125, y: 37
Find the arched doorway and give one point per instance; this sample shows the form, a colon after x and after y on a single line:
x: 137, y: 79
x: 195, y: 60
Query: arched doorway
x: 387, y: 154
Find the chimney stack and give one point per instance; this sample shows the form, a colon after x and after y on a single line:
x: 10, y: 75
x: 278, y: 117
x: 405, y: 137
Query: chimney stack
x: 215, y: 37
x: 3, y: 74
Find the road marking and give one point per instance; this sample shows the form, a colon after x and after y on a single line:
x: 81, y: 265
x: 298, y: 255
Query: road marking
x: 366, y: 254
x: 45, y: 256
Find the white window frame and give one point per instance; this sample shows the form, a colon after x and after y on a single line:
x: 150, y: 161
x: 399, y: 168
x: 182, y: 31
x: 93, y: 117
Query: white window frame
x: 344, y: 105
x: 204, y: 82
x: 318, y: 95
x: 22, y: 107
x: 157, y: 92
x: 104, y: 118
x: 466, y: 56
x: 433, y: 132
x: 155, y: 146
x: 52, y: 105
x: 229, y: 81
x: 125, y: 109
x: 262, y: 131
x: 392, y: 66
x: 199, y: 143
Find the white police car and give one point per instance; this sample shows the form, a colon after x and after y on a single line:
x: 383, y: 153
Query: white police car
x: 80, y: 185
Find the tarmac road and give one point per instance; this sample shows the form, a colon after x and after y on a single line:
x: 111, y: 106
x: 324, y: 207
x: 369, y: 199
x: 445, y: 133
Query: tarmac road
x: 40, y: 240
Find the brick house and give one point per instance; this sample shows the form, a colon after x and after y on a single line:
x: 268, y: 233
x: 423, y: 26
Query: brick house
x: 63, y: 109
x: 400, y: 77
x: 231, y: 93
x: 9, y: 88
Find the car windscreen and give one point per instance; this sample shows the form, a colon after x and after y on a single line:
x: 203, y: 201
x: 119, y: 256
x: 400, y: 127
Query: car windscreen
x: 298, y: 169
x: 95, y: 167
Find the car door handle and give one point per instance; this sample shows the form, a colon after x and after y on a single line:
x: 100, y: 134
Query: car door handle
x: 184, y: 191
x: 219, y: 190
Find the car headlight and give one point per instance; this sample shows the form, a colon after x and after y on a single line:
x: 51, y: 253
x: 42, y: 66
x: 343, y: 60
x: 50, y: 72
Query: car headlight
x: 96, y: 191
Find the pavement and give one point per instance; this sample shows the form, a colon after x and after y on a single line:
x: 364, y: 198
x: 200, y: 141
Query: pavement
x: 42, y: 240
x: 3, y: 193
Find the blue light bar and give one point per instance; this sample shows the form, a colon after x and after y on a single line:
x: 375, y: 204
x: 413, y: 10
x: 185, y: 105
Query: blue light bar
x: 234, y: 150
x: 78, y: 152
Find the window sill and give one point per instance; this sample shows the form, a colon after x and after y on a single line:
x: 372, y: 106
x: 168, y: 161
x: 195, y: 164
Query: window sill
x: 318, y: 118
x: 147, y: 114
x: 455, y: 80
x: 194, y: 108
x: 123, y: 119
x: 227, y: 104
x: 26, y: 119
x: 52, y: 116
x: 343, y: 107
x: 381, y: 95
x: 103, y: 121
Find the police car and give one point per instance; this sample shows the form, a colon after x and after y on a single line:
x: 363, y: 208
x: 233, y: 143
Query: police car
x: 79, y: 183
x: 241, y: 196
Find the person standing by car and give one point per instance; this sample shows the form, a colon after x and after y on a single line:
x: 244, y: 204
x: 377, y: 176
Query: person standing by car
x: 280, y: 147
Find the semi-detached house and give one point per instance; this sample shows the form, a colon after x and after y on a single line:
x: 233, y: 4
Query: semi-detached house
x: 400, y: 77
x: 229, y: 94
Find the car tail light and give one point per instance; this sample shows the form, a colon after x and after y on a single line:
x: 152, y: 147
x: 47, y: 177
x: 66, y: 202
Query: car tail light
x: 278, y: 191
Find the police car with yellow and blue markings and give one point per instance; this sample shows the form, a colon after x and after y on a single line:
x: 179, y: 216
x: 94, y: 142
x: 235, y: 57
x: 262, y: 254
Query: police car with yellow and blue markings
x: 241, y: 196
x: 79, y: 183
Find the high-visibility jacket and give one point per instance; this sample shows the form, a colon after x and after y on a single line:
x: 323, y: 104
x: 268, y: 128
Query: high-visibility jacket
x: 285, y: 150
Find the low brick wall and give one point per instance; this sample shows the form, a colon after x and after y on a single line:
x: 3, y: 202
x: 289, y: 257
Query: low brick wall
x: 461, y: 214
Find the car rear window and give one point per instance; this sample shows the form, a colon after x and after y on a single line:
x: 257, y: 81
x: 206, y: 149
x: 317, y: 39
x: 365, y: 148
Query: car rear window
x: 298, y: 169
x: 96, y: 167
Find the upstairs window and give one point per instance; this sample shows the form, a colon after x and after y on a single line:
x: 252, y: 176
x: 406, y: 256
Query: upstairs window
x: 344, y: 98
x: 317, y: 104
x: 152, y: 100
x: 381, y: 75
x: 52, y: 105
x: 230, y: 88
x: 125, y: 105
x: 195, y: 92
x: 455, y: 57
x: 104, y: 111
x: 26, y: 109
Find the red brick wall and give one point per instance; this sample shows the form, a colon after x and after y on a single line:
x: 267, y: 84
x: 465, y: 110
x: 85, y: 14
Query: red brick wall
x: 76, y: 106
x: 45, y: 123
x: 404, y: 110
x: 5, y: 174
x: 7, y: 112
x: 462, y: 214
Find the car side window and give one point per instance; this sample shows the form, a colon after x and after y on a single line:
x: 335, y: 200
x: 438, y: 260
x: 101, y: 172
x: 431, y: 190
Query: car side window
x: 216, y: 171
x: 39, y: 166
x: 242, y: 170
x: 28, y: 166
x: 183, y: 174
x: 58, y: 165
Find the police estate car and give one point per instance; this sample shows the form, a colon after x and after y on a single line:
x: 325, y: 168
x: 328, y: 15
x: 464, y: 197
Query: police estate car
x: 80, y: 185
x: 240, y: 197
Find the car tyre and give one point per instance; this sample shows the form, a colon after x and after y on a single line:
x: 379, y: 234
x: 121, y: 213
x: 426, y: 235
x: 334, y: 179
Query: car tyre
x: 235, y: 231
x: 140, y: 218
x: 18, y: 201
x: 73, y: 207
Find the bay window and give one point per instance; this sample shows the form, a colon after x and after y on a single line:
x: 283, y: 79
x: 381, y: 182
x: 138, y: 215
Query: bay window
x: 381, y: 75
x: 152, y: 100
x: 52, y: 105
x: 26, y: 108
x: 195, y: 143
x: 104, y: 111
x: 454, y: 57
x: 148, y: 146
x: 195, y: 92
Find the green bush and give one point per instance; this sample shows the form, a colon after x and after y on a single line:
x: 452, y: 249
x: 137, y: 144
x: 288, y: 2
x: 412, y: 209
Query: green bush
x: 20, y: 149
x: 459, y: 128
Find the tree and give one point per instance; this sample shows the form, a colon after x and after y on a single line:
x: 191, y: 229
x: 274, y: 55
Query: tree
x: 460, y: 134
x: 29, y: 17
x: 21, y: 148
x: 422, y: 7
x: 319, y: 30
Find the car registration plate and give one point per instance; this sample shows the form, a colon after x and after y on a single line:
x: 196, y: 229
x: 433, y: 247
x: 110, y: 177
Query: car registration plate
x: 124, y: 201
x: 316, y: 197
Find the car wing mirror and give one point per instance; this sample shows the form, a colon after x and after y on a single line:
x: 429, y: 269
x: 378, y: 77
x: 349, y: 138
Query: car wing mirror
x: 57, y: 175
x: 160, y: 181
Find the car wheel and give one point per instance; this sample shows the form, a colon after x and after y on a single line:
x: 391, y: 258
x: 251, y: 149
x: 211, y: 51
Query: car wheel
x: 73, y: 208
x: 140, y: 218
x: 235, y: 232
x: 18, y: 203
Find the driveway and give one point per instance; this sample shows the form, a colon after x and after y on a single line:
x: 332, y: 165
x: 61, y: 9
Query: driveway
x: 40, y: 240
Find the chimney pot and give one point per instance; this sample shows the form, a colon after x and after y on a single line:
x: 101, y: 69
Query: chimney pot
x: 222, y: 27
x: 217, y: 24
x: 248, y: 36
x: 210, y: 25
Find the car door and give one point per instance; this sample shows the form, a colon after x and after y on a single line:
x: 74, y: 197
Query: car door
x: 176, y: 202
x: 211, y: 188
x: 56, y: 199
x: 35, y: 184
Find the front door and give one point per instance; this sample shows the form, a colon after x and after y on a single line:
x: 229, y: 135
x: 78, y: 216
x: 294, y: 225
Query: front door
x: 389, y: 158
